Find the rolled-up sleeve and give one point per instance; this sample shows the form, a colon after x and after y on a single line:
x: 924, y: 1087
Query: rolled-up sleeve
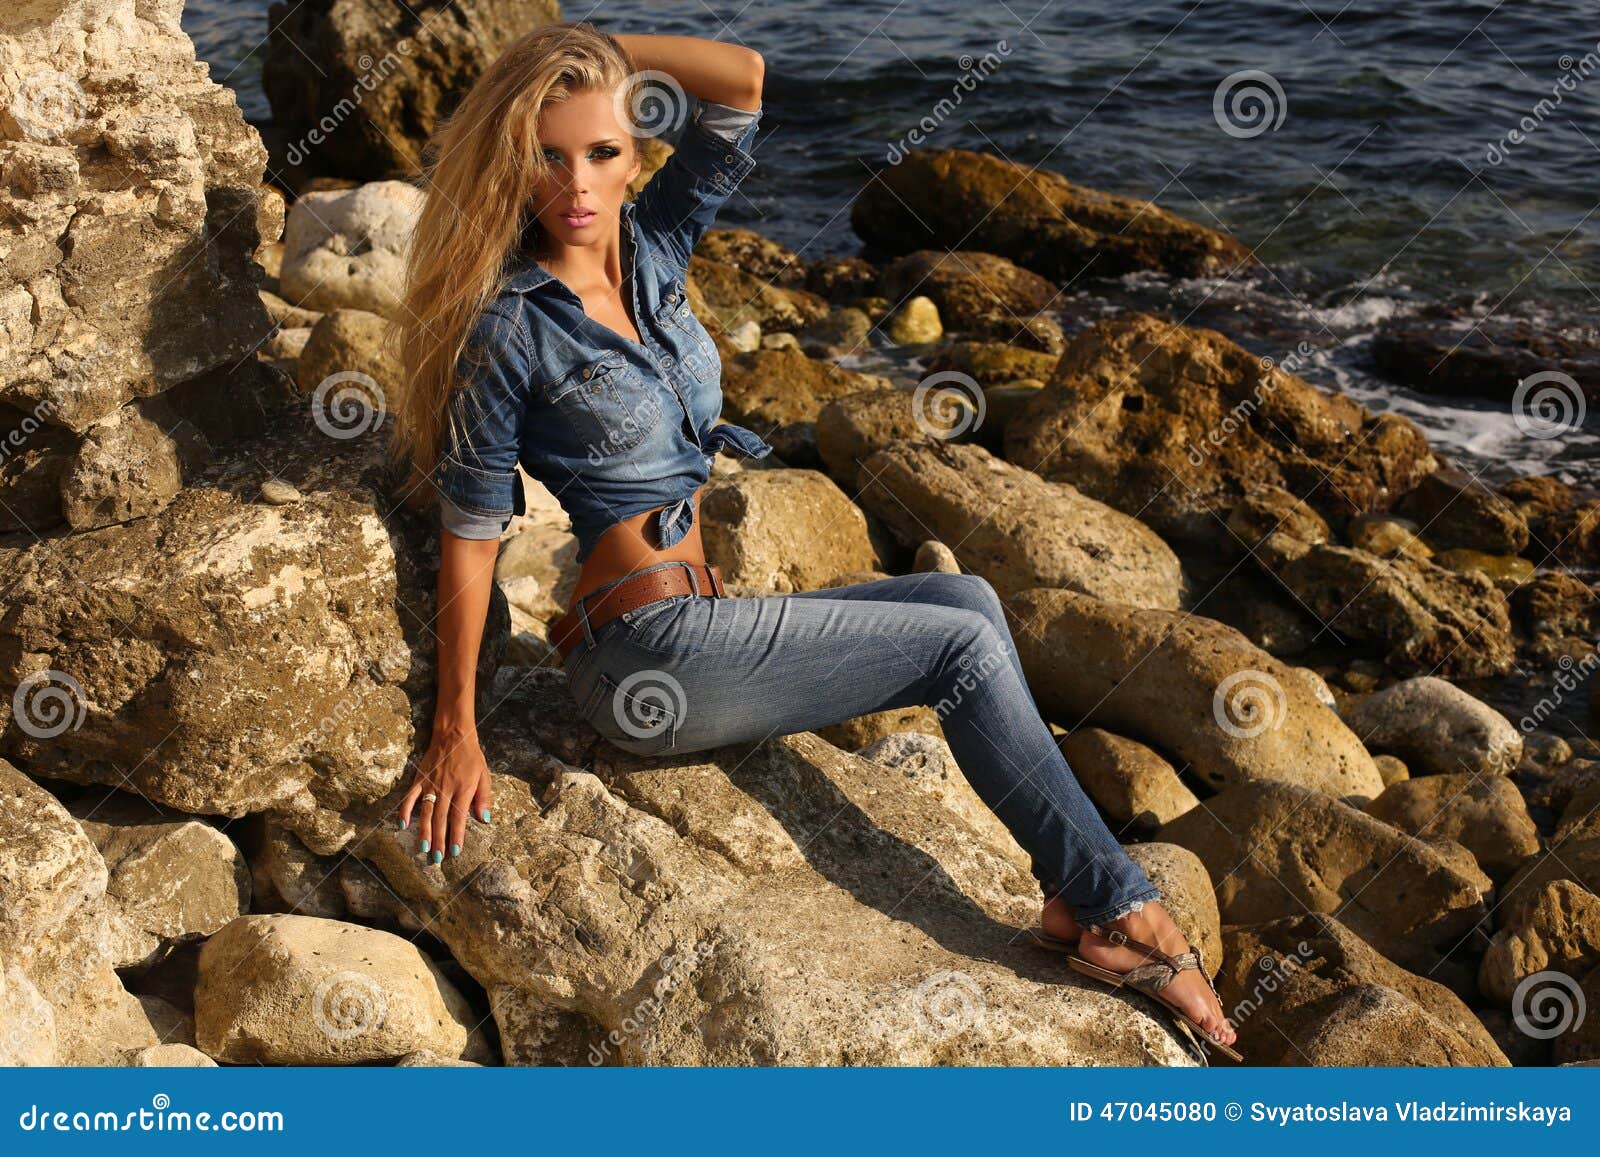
x: 711, y: 159
x: 476, y: 476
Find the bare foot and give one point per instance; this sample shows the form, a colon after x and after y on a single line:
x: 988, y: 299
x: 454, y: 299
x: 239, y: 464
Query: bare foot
x: 1057, y: 920
x: 1188, y: 990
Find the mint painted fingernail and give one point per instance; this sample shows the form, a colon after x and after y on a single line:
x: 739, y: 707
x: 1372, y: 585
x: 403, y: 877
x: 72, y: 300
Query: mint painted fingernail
x: 455, y: 849
x: 438, y: 857
x: 424, y: 847
x: 404, y: 824
x: 485, y: 815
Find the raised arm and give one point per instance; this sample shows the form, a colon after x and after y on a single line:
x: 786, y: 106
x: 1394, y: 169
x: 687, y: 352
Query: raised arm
x: 729, y: 74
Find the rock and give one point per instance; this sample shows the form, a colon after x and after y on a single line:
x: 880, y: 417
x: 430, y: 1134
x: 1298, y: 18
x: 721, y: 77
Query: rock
x: 1274, y: 848
x: 841, y: 279
x: 1135, y: 787
x: 851, y: 428
x: 1577, y: 1037
x: 345, y: 248
x: 1456, y: 510
x: 990, y: 363
x: 842, y: 333
x: 358, y: 87
x: 170, y: 879
x: 1306, y: 990
x: 756, y: 254
x: 64, y: 1004
x: 128, y: 466
x: 1195, y: 690
x: 1265, y: 513
x: 1393, y: 770
x: 914, y: 321
x: 944, y: 199
x: 1554, y: 603
x: 854, y: 734
x: 934, y: 555
x: 978, y: 294
x: 170, y: 1056
x: 727, y: 297
x: 926, y: 764
x: 1387, y: 537
x: 779, y: 393
x: 350, y: 342
x: 132, y: 220
x: 299, y: 990
x: 1433, y: 621
x: 1507, y: 572
x: 1556, y: 927
x: 1437, y: 728
x: 1487, y: 357
x: 1186, y: 893
x: 1176, y: 424
x: 1015, y: 529
x: 784, y: 530
x: 735, y: 907
x: 1482, y: 812
x: 1576, y: 860
x: 427, y: 1058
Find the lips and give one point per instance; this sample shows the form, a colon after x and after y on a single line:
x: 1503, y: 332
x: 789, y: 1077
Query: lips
x: 578, y: 216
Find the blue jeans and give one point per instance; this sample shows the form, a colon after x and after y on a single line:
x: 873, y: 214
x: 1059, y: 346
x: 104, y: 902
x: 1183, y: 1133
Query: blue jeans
x: 690, y: 672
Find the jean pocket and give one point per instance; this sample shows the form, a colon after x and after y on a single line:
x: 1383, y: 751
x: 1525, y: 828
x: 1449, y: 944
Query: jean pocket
x: 610, y: 407
x: 640, y: 713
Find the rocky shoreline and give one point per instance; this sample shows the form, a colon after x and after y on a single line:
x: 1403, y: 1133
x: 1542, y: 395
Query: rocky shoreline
x: 1263, y: 619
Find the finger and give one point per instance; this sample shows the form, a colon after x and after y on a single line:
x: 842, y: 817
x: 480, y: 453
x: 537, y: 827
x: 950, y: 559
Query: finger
x: 481, y: 800
x: 441, y: 824
x: 458, y: 824
x: 425, y: 824
x: 409, y: 800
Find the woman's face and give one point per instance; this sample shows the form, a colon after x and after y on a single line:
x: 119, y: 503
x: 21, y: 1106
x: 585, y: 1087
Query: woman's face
x: 591, y: 160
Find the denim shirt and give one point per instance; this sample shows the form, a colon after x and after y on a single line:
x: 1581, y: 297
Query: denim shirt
x: 610, y: 426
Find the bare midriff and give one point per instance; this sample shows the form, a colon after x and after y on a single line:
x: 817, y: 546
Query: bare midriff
x: 626, y: 548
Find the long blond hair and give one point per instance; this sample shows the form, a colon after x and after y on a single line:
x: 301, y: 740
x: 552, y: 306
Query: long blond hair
x: 478, y: 208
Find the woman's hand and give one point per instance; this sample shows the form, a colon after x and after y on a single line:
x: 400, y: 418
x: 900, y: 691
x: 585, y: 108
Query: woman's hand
x: 453, y: 768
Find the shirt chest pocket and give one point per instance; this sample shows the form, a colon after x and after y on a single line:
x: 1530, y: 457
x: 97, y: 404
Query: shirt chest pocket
x: 608, y: 405
x: 694, y: 346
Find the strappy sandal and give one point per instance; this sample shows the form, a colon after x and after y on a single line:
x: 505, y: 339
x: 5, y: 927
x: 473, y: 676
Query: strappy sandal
x: 1149, y: 978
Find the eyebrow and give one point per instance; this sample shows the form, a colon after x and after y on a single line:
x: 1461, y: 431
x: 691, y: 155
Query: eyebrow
x: 591, y: 144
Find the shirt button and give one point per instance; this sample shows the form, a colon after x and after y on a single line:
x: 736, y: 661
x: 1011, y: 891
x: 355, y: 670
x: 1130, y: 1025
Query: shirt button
x: 588, y: 373
x: 667, y: 361
x: 672, y: 297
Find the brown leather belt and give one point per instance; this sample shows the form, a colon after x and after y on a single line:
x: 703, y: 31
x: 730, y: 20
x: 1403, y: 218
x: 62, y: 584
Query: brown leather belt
x: 630, y: 594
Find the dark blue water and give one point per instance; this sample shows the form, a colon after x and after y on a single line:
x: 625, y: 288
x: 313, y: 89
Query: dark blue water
x: 1377, y: 195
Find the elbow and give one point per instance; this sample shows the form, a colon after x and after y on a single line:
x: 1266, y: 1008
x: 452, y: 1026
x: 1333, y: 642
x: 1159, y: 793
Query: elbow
x: 755, y: 77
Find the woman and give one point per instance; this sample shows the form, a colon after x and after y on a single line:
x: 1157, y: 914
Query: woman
x: 548, y: 325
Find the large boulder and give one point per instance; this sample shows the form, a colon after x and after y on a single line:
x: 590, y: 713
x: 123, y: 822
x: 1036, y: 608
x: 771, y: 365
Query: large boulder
x: 346, y: 248
x: 957, y: 199
x: 1175, y: 424
x: 1192, y: 688
x: 1014, y: 528
x: 1437, y: 728
x: 1278, y: 848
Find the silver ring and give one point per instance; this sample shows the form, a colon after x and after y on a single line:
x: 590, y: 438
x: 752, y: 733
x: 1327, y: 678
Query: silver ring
x: 430, y: 798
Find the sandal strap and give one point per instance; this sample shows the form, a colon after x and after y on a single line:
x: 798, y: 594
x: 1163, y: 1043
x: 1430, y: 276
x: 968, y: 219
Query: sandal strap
x: 1189, y: 959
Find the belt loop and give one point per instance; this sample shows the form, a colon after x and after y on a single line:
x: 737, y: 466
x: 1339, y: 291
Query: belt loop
x: 694, y: 579
x: 583, y: 617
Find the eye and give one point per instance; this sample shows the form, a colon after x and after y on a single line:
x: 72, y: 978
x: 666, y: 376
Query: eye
x: 599, y: 153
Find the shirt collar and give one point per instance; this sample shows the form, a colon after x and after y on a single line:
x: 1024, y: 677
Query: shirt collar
x: 525, y: 274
